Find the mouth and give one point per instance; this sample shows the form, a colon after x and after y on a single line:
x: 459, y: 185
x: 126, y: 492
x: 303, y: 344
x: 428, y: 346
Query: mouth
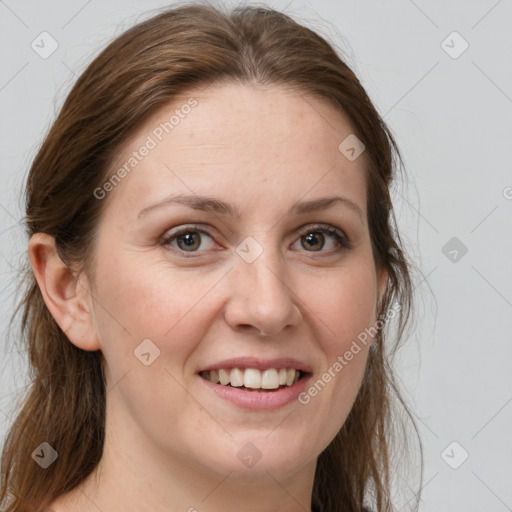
x: 256, y: 384
x: 254, y: 379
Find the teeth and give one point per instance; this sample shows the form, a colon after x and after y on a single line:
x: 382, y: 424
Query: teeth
x: 253, y: 378
x: 223, y: 377
x: 270, y: 379
x: 236, y: 377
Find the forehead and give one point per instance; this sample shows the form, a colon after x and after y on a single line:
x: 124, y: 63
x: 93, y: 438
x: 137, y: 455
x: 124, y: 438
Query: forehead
x: 239, y: 142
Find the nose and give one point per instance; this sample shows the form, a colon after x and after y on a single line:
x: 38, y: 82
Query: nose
x: 262, y: 300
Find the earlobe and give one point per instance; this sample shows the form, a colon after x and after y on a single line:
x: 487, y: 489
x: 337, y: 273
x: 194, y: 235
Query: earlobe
x: 67, y: 299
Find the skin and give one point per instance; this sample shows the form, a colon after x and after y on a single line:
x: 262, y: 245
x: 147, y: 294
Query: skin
x: 171, y: 444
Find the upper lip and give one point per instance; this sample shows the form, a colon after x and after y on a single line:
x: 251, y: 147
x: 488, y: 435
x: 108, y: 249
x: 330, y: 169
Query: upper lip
x: 258, y: 363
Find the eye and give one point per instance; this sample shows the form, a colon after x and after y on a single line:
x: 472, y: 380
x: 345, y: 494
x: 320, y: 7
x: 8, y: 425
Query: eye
x: 188, y: 239
x: 191, y: 239
x: 313, y: 238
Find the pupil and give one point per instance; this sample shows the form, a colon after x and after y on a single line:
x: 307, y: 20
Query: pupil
x: 188, y: 239
x: 314, y: 238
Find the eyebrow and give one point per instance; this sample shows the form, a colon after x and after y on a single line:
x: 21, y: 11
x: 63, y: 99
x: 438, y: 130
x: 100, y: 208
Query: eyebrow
x: 213, y: 205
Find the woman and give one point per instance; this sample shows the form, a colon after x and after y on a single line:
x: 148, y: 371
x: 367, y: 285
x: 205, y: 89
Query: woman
x: 213, y: 260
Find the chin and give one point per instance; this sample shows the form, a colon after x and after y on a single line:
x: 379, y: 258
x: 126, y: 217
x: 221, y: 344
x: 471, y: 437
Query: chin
x: 253, y: 456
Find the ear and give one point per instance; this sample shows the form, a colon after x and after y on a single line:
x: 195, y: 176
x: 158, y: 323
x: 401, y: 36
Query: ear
x: 65, y: 292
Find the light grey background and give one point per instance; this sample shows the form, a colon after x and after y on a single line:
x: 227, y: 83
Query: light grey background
x: 452, y: 118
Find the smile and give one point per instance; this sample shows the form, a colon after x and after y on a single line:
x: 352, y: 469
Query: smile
x: 253, y: 389
x: 253, y: 378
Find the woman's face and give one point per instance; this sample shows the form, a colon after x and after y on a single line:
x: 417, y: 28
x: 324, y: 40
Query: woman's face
x: 237, y: 273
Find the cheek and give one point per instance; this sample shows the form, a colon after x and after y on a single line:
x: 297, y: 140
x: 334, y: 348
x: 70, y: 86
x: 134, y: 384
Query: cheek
x: 141, y: 299
x: 346, y: 303
x: 345, y: 309
x: 146, y: 301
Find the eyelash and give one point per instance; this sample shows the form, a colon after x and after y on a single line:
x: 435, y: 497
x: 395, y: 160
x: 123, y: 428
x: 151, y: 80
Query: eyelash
x: 342, y: 240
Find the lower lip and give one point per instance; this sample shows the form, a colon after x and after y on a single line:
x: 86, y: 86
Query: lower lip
x: 259, y: 401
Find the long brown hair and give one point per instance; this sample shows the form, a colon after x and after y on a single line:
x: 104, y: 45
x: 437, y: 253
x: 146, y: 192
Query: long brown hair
x: 138, y: 73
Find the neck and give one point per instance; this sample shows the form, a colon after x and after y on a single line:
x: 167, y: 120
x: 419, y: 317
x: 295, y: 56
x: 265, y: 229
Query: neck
x: 142, y: 479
